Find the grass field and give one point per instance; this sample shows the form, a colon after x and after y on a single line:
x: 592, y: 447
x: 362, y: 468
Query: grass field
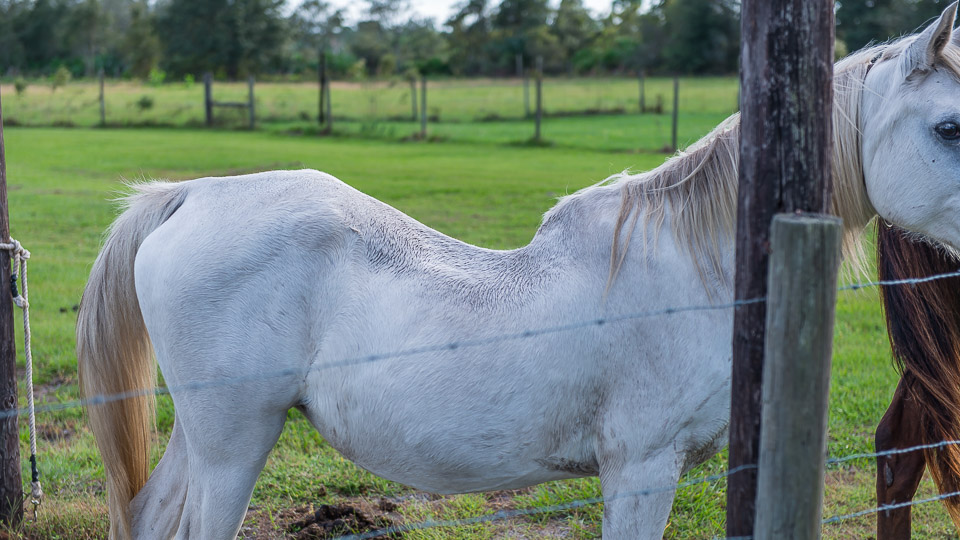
x: 60, y: 185
x: 470, y: 111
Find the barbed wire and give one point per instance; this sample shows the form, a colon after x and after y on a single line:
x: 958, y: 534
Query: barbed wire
x: 600, y: 321
x: 361, y: 360
x: 886, y: 507
x: 525, y: 334
x: 891, y: 282
x: 572, y: 505
x: 893, y: 452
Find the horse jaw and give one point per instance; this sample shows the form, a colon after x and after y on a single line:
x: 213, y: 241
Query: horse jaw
x: 912, y: 174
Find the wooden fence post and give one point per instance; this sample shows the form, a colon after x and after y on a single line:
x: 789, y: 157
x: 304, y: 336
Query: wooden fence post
x: 251, y: 106
x: 208, y: 97
x: 329, y: 110
x: 643, y: 104
x: 526, y: 89
x: 103, y: 108
x: 413, y: 98
x: 11, y: 488
x: 801, y: 300
x: 539, y: 119
x: 785, y: 156
x: 676, y: 113
x: 423, y: 108
x: 322, y: 76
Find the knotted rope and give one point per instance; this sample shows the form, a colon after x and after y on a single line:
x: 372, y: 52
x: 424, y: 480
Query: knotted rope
x: 18, y: 263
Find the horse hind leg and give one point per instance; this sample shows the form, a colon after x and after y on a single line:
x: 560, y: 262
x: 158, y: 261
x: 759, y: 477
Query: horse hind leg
x: 226, y: 453
x: 155, y: 511
x: 898, y: 475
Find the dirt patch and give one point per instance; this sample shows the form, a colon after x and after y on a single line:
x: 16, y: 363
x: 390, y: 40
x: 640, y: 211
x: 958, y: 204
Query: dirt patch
x: 316, y: 522
x: 41, y: 391
x: 54, y: 432
x: 333, y: 520
x: 360, y: 515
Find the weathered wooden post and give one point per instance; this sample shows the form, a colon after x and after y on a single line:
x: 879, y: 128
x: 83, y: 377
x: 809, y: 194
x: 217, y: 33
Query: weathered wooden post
x: 785, y: 155
x: 539, y: 75
x: 676, y: 113
x: 329, y: 97
x: 526, y: 89
x: 413, y: 97
x: 11, y: 488
x: 251, y: 107
x: 103, y: 108
x: 208, y: 97
x: 322, y: 76
x: 640, y: 80
x: 801, y: 299
x: 423, y: 108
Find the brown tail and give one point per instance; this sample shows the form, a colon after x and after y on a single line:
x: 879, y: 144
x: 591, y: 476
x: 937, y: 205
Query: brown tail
x: 923, y: 322
x: 114, y: 353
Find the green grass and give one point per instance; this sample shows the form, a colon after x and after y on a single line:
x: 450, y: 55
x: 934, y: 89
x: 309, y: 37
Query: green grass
x: 470, y: 111
x: 60, y: 185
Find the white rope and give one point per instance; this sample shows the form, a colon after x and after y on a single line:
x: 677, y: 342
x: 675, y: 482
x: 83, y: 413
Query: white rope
x: 18, y: 264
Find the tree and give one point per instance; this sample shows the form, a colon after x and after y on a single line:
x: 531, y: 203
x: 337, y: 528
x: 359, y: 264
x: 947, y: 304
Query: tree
x: 573, y: 28
x: 860, y: 22
x: 419, y: 44
x: 239, y: 37
x: 85, y: 25
x: 703, y: 36
x: 140, y: 43
x: 517, y: 24
x: 469, y: 38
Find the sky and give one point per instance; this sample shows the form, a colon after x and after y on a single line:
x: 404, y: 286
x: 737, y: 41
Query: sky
x: 441, y: 10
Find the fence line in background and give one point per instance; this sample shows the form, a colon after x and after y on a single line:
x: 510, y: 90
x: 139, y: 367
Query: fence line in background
x: 609, y: 100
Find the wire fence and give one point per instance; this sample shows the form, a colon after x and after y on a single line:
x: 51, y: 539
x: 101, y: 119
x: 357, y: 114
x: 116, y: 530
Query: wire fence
x: 476, y: 111
x: 526, y: 334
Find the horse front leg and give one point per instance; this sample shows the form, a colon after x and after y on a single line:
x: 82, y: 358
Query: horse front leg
x: 637, y: 497
x: 898, y: 475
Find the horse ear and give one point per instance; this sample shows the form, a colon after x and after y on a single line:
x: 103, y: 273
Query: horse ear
x: 923, y: 52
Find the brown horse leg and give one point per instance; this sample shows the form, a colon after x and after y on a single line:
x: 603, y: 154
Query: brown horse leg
x: 898, y: 475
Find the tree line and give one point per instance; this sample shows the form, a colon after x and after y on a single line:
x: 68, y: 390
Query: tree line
x: 167, y: 39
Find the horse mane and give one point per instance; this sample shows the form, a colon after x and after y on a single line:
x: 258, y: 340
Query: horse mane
x: 923, y: 323
x: 699, y: 185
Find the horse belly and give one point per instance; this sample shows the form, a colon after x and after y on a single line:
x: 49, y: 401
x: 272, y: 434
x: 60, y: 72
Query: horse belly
x: 445, y: 437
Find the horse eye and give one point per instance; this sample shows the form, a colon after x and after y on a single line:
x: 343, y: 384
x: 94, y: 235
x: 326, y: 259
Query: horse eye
x: 949, y: 131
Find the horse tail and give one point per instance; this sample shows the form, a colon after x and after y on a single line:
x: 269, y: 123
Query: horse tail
x: 114, y: 353
x: 923, y: 323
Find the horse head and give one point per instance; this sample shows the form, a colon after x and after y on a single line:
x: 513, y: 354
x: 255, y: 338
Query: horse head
x: 910, y: 125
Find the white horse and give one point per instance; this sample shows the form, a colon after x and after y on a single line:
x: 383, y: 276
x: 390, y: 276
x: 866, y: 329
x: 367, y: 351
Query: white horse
x: 295, y: 271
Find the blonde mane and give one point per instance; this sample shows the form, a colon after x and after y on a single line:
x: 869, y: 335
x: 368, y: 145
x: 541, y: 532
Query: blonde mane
x: 699, y: 184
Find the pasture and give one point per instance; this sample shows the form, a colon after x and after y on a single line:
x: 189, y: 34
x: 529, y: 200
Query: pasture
x: 61, y: 183
x: 469, y: 111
